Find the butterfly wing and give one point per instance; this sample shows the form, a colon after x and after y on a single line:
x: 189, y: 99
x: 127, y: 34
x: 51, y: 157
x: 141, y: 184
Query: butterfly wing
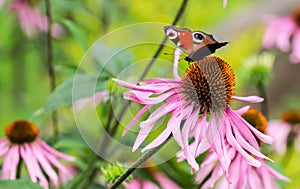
x: 205, y: 51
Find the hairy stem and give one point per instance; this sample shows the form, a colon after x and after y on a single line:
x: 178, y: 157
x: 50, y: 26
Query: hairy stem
x: 50, y: 66
x: 139, y: 162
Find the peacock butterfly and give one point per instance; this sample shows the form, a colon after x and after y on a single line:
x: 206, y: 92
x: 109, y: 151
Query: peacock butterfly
x: 196, y: 44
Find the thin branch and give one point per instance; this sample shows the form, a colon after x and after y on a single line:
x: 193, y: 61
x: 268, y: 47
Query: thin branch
x: 139, y: 162
x: 51, y: 71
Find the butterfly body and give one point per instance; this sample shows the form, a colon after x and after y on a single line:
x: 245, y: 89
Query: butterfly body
x: 196, y: 44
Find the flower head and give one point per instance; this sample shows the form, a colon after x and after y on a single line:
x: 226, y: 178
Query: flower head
x: 203, y: 93
x: 280, y: 29
x: 31, y: 19
x: 285, y: 131
x: 259, y: 67
x: 241, y: 174
x: 23, y: 144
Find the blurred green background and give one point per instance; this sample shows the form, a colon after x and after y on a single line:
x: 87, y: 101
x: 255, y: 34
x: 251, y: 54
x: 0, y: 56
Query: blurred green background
x: 24, y: 83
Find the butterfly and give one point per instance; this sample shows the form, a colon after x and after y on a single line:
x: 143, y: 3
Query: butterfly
x: 196, y: 44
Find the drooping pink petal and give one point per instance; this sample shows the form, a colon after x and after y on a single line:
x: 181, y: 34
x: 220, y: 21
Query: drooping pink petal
x: 142, y: 99
x: 287, y: 28
x: 265, y: 138
x: 136, y: 117
x: 165, y: 182
x: 279, y: 130
x: 157, y: 88
x: 33, y: 166
x: 232, y: 141
x: 4, y: 147
x: 14, y: 162
x: 162, y: 137
x: 185, y: 138
x: 44, y: 163
x: 53, y: 151
x: 98, y: 97
x: 250, y: 99
x: 295, y: 56
x: 148, y: 185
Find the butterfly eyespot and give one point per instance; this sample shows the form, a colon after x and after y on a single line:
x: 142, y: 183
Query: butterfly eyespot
x: 172, y: 34
x: 197, y: 37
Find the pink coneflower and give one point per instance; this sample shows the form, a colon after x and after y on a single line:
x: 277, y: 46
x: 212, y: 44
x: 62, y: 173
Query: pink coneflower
x: 280, y: 30
x: 32, y: 20
x: 94, y: 100
x: 285, y: 131
x: 203, y: 93
x: 22, y: 144
x: 241, y: 174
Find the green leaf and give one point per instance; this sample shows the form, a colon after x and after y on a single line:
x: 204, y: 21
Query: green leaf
x: 113, y: 59
x: 80, y: 86
x: 17, y: 184
x: 77, y: 33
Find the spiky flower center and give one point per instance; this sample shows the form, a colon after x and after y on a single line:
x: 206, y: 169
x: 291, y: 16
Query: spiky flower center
x: 291, y: 116
x: 256, y: 119
x: 21, y: 131
x: 209, y: 83
x: 297, y: 15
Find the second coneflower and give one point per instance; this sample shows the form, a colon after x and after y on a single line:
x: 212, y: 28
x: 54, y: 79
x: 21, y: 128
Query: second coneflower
x: 22, y: 144
x: 241, y: 174
x: 203, y: 93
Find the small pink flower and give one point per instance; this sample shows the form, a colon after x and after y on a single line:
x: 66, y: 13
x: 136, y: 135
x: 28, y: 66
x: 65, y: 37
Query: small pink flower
x: 284, y: 130
x: 241, y: 174
x: 98, y: 97
x: 32, y: 20
x: 280, y: 30
x: 163, y: 181
x: 205, y: 90
x: 40, y: 159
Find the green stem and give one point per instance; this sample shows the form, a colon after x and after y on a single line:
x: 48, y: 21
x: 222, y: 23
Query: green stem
x: 264, y: 105
x: 139, y: 162
x: 50, y: 66
x: 18, y: 174
x: 290, y: 148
